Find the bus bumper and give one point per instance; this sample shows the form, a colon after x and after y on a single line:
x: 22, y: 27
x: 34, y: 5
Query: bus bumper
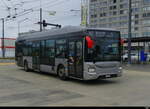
x: 94, y: 76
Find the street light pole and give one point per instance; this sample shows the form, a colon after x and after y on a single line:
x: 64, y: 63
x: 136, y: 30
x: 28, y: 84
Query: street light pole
x: 129, y: 33
x: 3, y: 35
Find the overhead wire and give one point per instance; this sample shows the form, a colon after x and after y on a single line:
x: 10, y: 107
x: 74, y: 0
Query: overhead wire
x: 49, y: 5
x: 14, y: 8
x: 22, y: 13
x: 8, y: 8
x: 44, y: 5
x: 61, y: 2
x: 5, y: 4
x: 62, y: 18
x: 29, y: 1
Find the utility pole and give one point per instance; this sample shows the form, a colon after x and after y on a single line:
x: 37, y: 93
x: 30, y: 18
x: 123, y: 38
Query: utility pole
x: 40, y: 19
x: 129, y: 33
x: 40, y: 14
x: 3, y: 49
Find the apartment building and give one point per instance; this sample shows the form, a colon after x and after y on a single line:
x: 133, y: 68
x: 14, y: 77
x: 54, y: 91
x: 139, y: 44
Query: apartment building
x: 114, y: 14
x: 84, y: 13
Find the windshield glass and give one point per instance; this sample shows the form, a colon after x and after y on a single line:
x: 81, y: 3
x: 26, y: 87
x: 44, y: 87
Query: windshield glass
x: 106, y: 46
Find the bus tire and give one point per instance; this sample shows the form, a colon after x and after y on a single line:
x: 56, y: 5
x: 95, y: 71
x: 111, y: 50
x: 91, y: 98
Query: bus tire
x: 26, y: 68
x: 61, y: 73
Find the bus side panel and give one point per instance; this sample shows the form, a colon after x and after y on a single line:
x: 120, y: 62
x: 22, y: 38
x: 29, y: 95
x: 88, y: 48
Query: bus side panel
x: 48, y: 69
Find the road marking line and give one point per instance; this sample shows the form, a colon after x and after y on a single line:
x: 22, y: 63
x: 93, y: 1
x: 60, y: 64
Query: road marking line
x: 1, y: 64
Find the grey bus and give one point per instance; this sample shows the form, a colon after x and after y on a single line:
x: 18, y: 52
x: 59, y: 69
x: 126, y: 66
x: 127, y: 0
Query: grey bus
x: 71, y: 52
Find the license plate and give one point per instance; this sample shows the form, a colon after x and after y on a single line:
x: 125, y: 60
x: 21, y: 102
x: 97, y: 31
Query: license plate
x: 107, y: 76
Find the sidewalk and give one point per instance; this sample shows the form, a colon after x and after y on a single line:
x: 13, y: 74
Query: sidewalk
x: 137, y: 67
x: 7, y: 60
x: 4, y: 64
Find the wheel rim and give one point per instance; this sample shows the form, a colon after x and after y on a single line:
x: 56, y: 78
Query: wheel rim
x: 61, y: 72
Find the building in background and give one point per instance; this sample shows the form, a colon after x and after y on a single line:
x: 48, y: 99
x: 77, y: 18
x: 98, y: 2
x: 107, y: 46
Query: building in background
x: 9, y: 46
x: 84, y: 13
x: 114, y: 14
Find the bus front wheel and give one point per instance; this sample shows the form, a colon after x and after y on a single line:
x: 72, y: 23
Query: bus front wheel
x: 61, y: 73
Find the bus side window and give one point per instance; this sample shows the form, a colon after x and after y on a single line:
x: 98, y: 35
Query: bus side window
x: 61, y: 50
x: 50, y: 52
x: 42, y: 52
x: 25, y: 48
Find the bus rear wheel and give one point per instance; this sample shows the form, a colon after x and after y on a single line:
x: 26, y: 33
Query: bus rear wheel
x: 26, y: 66
x: 61, y: 73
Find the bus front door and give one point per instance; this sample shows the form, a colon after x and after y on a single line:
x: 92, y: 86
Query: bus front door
x: 36, y: 56
x: 75, y: 61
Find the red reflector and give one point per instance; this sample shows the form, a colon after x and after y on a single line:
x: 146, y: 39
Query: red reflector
x: 90, y: 42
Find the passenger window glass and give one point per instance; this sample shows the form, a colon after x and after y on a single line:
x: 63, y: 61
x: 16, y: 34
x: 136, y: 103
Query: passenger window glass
x: 72, y: 49
x: 35, y: 48
x: 61, y: 49
x: 50, y: 48
x: 42, y: 48
x: 79, y: 48
x: 30, y: 48
x: 61, y: 42
x: 25, y: 49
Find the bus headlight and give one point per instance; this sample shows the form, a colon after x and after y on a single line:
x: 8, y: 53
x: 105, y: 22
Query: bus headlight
x: 120, y: 68
x: 92, y: 70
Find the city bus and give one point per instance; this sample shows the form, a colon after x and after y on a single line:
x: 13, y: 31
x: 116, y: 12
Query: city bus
x: 71, y: 52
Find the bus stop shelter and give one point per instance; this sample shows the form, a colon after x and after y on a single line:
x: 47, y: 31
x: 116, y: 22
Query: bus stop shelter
x: 138, y: 45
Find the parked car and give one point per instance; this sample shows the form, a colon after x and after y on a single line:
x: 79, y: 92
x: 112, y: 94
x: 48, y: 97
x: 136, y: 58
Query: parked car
x: 125, y: 57
x: 135, y: 57
x: 148, y: 57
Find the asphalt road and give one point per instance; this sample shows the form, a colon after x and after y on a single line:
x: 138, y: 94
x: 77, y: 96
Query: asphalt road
x: 20, y: 88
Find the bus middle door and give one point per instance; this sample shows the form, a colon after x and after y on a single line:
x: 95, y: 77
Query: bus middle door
x: 36, y: 56
x: 75, y: 61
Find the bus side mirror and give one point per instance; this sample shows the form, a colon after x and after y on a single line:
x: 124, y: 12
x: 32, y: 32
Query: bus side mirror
x: 122, y: 41
x: 90, y: 42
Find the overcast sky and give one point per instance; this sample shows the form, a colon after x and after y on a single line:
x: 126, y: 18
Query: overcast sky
x: 30, y: 9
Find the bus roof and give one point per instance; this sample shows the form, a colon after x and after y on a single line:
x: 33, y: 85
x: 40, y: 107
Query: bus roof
x: 54, y: 32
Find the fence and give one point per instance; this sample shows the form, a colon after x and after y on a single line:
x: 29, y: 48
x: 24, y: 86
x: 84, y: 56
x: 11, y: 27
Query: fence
x: 9, y: 47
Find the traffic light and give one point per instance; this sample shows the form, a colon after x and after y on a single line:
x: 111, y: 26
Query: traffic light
x: 44, y: 23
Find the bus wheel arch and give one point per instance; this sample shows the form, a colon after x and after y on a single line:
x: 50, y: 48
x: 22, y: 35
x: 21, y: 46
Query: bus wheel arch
x: 26, y: 68
x: 61, y: 72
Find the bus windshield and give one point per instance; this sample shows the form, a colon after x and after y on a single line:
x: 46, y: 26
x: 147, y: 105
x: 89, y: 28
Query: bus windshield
x: 106, y: 46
